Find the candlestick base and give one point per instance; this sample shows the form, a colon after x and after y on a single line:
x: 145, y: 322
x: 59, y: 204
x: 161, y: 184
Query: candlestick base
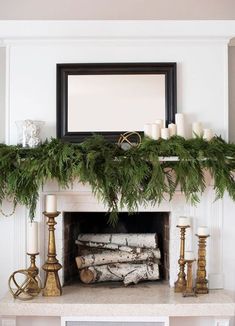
x: 180, y: 285
x: 52, y: 287
x: 202, y: 286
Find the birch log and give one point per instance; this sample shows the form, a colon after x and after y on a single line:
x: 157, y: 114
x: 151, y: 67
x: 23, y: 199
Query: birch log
x: 111, y: 246
x: 128, y: 273
x: 110, y: 257
x: 139, y: 240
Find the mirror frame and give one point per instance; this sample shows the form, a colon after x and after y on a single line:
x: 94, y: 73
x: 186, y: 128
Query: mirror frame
x: 66, y: 69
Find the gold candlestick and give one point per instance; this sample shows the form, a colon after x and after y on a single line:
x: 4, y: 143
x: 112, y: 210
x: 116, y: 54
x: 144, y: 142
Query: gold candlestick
x: 180, y: 284
x: 189, y: 291
x: 52, y: 285
x: 201, y: 281
x: 34, y: 286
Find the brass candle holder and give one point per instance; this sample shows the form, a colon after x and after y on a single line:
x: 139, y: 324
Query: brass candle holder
x: 189, y: 290
x: 52, y: 285
x: 201, y: 281
x: 34, y: 286
x: 180, y: 284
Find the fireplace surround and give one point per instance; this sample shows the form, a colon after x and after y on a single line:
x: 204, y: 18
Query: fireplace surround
x: 80, y: 199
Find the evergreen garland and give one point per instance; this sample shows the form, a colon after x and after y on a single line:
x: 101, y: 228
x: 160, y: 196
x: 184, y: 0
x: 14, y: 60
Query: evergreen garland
x: 120, y: 178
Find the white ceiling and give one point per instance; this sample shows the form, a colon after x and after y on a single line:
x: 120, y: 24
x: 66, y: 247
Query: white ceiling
x: 117, y: 9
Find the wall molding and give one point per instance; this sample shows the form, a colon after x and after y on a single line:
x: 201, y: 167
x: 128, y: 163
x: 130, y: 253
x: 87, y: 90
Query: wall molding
x: 12, y: 30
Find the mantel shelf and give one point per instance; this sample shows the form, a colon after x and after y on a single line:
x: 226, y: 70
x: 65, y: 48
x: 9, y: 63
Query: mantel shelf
x: 145, y: 299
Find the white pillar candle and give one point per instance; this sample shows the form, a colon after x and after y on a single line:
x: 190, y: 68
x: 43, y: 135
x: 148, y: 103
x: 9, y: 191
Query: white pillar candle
x: 208, y: 134
x: 179, y: 120
x: 165, y: 133
x: 203, y: 230
x: 160, y: 122
x: 197, y: 129
x: 148, y: 130
x: 189, y: 255
x: 172, y: 129
x: 155, y: 131
x: 32, y: 238
x: 51, y: 204
x: 183, y: 221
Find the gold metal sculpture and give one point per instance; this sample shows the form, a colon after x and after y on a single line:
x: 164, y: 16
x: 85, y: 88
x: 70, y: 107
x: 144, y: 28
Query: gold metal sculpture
x: 52, y: 285
x: 201, y: 280
x: 129, y: 139
x: 180, y: 284
x: 25, y: 284
x: 189, y: 290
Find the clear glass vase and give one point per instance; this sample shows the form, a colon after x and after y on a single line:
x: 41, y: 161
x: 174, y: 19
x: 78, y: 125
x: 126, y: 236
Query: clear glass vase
x: 29, y: 133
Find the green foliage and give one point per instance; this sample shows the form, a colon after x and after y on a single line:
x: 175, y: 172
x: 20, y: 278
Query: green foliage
x: 119, y: 178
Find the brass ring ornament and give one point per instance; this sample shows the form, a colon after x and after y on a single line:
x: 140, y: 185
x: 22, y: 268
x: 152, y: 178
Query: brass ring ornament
x: 19, y: 282
x: 124, y: 140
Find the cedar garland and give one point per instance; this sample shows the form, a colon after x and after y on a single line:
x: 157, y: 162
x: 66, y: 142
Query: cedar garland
x: 120, y: 178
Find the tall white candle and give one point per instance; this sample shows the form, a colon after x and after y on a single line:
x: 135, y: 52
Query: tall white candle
x: 148, y: 130
x: 197, y: 129
x: 32, y: 238
x: 51, y: 204
x: 203, y: 230
x: 189, y: 255
x: 160, y: 122
x: 155, y: 131
x: 172, y: 129
x: 208, y: 134
x: 183, y: 221
x: 165, y: 133
x: 179, y: 120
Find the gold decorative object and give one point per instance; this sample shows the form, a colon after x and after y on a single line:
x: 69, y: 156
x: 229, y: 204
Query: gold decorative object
x: 180, y: 284
x: 189, y: 290
x: 25, y: 284
x: 52, y: 285
x: 201, y: 281
x: 129, y: 139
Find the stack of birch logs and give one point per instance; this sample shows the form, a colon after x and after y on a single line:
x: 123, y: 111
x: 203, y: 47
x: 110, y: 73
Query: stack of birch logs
x: 127, y: 257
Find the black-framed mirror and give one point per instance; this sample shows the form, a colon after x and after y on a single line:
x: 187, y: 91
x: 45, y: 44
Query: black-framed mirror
x: 111, y: 98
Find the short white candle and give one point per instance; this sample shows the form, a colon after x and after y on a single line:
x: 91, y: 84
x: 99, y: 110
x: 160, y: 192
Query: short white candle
x: 160, y: 122
x: 165, y: 133
x: 208, y: 134
x: 172, y: 129
x: 179, y: 120
x: 32, y: 238
x: 189, y: 255
x: 148, y: 130
x: 51, y: 204
x: 203, y: 231
x: 155, y: 131
x: 197, y: 129
x: 183, y: 221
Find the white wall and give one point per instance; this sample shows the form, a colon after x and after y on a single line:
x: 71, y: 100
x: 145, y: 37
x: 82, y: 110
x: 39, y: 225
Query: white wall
x: 201, y: 80
x: 2, y: 92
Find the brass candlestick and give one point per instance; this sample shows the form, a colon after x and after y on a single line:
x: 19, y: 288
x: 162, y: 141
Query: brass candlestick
x: 180, y: 284
x: 34, y: 286
x: 189, y: 291
x: 52, y: 285
x: 201, y: 281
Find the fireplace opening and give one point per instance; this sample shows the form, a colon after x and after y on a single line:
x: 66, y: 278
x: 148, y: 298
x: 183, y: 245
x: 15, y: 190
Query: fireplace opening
x: 77, y: 223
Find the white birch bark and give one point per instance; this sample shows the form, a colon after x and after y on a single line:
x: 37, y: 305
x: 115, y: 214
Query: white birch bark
x: 110, y: 257
x: 111, y: 246
x: 126, y: 272
x: 140, y: 240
